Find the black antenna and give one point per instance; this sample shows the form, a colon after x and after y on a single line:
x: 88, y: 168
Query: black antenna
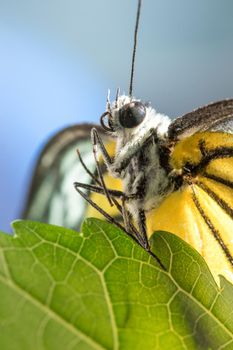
x: 134, y: 47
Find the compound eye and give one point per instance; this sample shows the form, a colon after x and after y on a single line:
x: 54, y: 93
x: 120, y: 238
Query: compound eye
x: 132, y: 114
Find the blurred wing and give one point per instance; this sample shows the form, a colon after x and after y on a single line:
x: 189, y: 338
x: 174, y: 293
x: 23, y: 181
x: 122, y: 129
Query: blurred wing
x: 217, y: 116
x: 52, y: 197
x: 201, y: 211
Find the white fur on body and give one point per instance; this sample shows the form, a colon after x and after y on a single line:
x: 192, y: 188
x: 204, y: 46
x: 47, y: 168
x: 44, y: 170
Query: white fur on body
x: 129, y: 142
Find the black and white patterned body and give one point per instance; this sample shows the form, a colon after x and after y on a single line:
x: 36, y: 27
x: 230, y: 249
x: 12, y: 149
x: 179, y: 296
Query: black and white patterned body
x: 138, y: 154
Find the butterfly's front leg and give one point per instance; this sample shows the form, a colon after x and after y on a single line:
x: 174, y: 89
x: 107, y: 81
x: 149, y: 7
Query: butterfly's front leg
x: 98, y: 143
x: 140, y: 218
x: 114, y: 167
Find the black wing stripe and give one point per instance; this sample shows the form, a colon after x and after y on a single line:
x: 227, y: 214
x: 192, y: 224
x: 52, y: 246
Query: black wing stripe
x: 217, y: 153
x: 213, y: 230
x: 219, y: 179
x: 228, y: 210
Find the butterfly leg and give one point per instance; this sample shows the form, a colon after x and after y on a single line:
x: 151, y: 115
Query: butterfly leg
x: 133, y: 233
x: 128, y: 225
x: 129, y: 229
x: 141, y: 222
x: 100, y: 210
x: 125, y: 214
x: 93, y: 177
x: 96, y: 141
x: 98, y: 189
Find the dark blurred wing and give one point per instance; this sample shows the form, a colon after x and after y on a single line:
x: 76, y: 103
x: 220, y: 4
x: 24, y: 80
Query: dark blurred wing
x: 52, y: 197
x: 217, y: 116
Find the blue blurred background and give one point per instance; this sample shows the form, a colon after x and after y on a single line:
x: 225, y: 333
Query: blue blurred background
x: 58, y: 58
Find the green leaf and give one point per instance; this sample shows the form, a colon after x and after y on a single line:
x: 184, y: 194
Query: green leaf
x: 99, y: 290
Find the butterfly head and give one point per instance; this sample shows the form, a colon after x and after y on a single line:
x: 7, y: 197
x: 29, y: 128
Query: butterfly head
x: 128, y: 115
x: 125, y: 113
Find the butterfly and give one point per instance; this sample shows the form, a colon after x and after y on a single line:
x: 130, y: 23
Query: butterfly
x: 189, y: 194
x: 175, y: 176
